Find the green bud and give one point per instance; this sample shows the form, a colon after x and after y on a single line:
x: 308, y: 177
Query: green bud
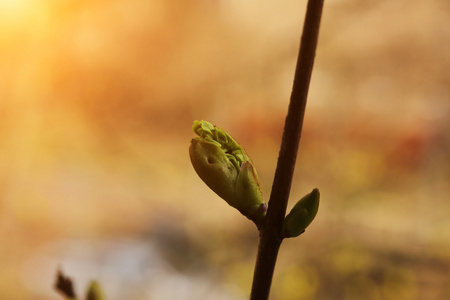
x: 226, y: 168
x: 301, y: 215
x: 94, y: 291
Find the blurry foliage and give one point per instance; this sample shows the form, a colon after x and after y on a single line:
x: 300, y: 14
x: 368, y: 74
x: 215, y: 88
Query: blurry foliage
x: 96, y: 104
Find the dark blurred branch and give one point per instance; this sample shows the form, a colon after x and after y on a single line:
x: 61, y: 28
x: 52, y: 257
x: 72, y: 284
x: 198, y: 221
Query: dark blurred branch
x: 270, y: 233
x: 64, y: 285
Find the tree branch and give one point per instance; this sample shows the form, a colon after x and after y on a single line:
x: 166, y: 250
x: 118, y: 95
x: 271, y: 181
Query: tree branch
x: 64, y: 285
x: 270, y: 233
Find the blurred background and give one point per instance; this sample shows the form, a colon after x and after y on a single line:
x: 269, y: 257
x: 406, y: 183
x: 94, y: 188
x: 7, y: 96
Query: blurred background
x: 97, y: 100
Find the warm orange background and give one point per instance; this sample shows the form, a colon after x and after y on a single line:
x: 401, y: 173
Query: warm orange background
x: 97, y: 99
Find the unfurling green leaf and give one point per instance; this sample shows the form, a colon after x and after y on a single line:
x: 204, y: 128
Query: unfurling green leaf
x: 226, y: 168
x: 301, y: 215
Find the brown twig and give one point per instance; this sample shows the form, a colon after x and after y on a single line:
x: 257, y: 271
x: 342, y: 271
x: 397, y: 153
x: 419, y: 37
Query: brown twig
x: 64, y: 285
x: 270, y: 233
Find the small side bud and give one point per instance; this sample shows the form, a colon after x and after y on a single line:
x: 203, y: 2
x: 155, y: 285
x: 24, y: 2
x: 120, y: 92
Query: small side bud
x: 301, y: 215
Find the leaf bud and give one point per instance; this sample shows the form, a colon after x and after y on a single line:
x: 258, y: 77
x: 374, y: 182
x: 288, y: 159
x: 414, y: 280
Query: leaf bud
x: 226, y: 169
x: 301, y: 215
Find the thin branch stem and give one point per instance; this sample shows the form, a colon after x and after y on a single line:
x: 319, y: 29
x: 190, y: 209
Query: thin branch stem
x: 64, y: 285
x: 270, y: 233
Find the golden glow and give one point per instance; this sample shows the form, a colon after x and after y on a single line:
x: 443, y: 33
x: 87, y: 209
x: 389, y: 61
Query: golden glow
x: 97, y: 100
x: 13, y: 8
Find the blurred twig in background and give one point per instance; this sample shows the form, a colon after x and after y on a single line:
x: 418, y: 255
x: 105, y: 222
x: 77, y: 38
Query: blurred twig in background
x: 64, y: 285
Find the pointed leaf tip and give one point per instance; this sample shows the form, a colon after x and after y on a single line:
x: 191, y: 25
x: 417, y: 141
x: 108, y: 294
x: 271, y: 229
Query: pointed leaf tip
x: 95, y: 291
